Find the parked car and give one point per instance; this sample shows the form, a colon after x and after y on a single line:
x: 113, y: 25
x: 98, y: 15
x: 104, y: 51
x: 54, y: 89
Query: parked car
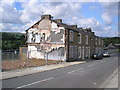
x: 106, y: 54
x: 97, y: 56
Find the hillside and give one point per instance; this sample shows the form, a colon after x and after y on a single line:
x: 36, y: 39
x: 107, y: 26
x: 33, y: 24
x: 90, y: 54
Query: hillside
x: 14, y: 40
x: 113, y: 40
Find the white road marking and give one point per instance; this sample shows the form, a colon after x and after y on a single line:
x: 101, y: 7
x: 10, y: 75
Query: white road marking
x: 74, y: 71
x: 35, y: 83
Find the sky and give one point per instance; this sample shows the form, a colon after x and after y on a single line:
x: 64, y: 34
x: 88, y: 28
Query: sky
x: 102, y: 17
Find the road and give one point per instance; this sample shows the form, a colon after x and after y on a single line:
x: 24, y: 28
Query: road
x: 87, y: 75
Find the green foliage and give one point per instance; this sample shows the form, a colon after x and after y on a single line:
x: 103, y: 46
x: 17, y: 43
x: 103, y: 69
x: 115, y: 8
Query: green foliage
x: 15, y: 40
x: 113, y: 40
x: 12, y: 40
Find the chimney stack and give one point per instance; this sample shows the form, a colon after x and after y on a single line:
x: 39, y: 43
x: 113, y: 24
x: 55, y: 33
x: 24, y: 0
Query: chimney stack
x: 93, y: 33
x: 88, y: 29
x: 58, y: 20
x: 80, y: 28
x: 46, y: 17
x: 74, y: 26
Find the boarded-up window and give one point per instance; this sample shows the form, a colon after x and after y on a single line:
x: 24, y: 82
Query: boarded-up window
x: 71, y: 36
x: 102, y: 42
x: 24, y: 50
x: 79, y: 52
x: 75, y: 52
x: 96, y: 41
x: 71, y: 51
x: 99, y: 41
x: 86, y: 39
x: 86, y: 54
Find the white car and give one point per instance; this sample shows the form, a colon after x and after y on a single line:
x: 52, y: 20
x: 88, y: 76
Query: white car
x: 106, y: 54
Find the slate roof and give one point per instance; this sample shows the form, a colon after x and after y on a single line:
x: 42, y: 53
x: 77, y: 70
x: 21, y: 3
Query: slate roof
x: 68, y: 27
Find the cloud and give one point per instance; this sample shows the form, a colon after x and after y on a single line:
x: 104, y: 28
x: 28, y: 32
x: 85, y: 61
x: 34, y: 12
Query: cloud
x: 33, y: 9
x: 108, y: 33
x: 97, y: 27
x: 9, y: 13
x: 86, y: 22
x: 110, y: 10
x: 107, y: 0
x: 20, y: 20
x: 107, y: 18
x: 107, y: 28
x: 7, y: 27
x: 110, y: 7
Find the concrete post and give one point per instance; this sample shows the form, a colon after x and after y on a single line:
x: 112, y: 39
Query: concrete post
x: 46, y: 57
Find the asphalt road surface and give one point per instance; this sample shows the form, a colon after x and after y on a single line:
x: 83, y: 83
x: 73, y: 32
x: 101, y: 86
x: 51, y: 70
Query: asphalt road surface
x: 87, y: 75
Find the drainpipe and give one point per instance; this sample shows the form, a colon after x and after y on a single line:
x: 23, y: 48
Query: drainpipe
x: 67, y: 44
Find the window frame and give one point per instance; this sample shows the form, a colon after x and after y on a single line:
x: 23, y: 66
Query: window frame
x: 71, y: 36
x: 79, y: 52
x: 86, y: 39
x: 79, y: 38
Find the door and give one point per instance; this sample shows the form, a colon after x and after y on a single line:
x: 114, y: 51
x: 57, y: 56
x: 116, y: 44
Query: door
x: 83, y: 52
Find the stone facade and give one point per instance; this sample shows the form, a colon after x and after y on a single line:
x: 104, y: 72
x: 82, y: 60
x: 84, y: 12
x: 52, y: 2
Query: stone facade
x: 61, y: 41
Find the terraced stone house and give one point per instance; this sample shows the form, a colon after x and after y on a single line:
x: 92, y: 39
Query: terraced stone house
x: 61, y: 41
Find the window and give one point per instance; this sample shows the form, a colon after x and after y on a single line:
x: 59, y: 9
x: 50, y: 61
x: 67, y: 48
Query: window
x: 75, y: 52
x: 71, y: 51
x: 33, y: 37
x: 43, y: 37
x: 71, y: 36
x: 96, y: 41
x: 79, y: 38
x: 102, y: 43
x: 29, y: 37
x: 86, y: 54
x: 79, y: 52
x: 86, y: 39
x: 99, y: 41
x: 37, y: 36
x: 97, y: 50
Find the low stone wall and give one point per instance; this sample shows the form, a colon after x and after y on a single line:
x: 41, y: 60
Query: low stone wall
x: 20, y: 64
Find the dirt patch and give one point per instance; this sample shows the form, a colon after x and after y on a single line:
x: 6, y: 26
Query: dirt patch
x: 20, y: 64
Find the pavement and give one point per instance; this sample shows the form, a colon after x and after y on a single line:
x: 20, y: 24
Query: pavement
x: 32, y: 70
x: 87, y: 75
x: 112, y: 81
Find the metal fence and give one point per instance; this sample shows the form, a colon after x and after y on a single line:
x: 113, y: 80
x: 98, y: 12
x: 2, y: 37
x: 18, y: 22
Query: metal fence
x: 15, y: 59
x: 9, y: 55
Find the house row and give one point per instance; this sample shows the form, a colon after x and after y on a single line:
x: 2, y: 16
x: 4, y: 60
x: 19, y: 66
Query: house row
x: 60, y: 41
